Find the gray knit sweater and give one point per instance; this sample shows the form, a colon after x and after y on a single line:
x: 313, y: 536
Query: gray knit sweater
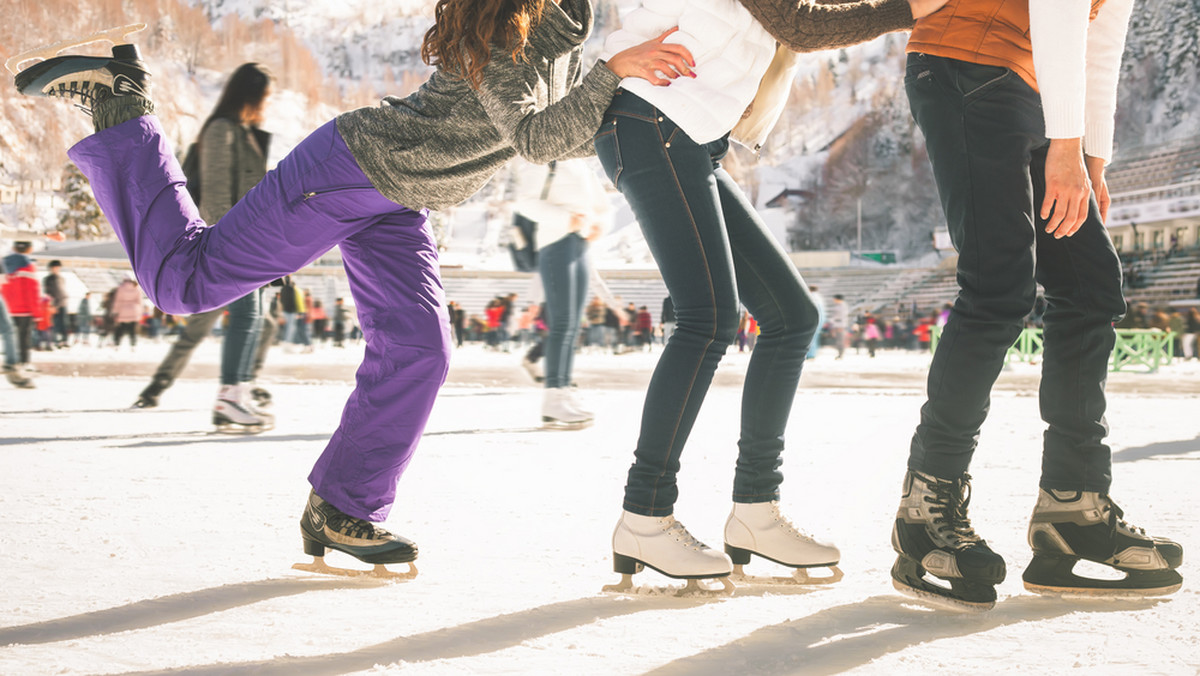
x: 440, y: 145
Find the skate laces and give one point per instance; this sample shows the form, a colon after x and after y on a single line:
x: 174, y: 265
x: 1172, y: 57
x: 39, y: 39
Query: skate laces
x: 86, y: 92
x: 356, y: 528
x: 950, y: 501
x: 682, y: 536
x: 1116, y: 518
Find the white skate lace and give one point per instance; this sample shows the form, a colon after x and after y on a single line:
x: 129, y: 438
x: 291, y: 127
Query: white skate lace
x: 787, y: 524
x: 682, y: 536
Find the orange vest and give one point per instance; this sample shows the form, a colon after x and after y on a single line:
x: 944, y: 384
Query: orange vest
x: 987, y: 32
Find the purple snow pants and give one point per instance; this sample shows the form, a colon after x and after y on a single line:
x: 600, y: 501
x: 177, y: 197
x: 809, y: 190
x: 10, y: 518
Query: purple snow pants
x: 315, y: 199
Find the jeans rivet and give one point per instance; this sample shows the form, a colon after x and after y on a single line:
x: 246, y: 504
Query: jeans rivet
x: 667, y: 144
x: 660, y: 118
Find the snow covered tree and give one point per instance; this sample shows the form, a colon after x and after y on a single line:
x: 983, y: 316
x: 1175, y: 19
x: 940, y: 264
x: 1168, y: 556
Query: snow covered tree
x: 82, y: 218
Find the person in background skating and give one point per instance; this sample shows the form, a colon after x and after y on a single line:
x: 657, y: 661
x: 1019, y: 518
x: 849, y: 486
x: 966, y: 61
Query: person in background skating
x: 233, y: 159
x: 819, y: 302
x: 21, y: 292
x: 341, y: 318
x: 127, y: 309
x: 839, y: 324
x: 662, y: 150
x: 12, y: 371
x: 54, y: 288
x: 568, y: 203
x: 1019, y: 164
x: 667, y: 319
x: 508, y: 80
x: 83, y: 320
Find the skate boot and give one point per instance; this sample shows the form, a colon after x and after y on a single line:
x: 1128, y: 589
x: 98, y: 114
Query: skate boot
x: 663, y: 544
x: 260, y: 397
x: 90, y: 81
x: 933, y: 534
x: 557, y: 412
x: 233, y: 412
x: 533, y: 368
x: 758, y: 528
x: 149, y: 396
x: 18, y: 376
x: 1071, y: 525
x: 324, y: 526
x: 573, y: 402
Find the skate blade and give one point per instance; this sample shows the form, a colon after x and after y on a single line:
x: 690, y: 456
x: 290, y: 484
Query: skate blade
x: 693, y: 588
x: 799, y: 577
x: 379, y: 571
x: 1100, y: 593
x: 236, y: 429
x: 561, y: 425
x: 943, y: 602
x: 118, y: 36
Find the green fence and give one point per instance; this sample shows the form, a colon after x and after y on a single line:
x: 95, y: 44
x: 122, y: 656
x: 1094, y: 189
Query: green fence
x: 1135, y: 348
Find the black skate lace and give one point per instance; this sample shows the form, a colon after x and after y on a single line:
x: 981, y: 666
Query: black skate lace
x: 83, y: 91
x: 357, y: 528
x: 1116, y: 521
x: 950, y: 502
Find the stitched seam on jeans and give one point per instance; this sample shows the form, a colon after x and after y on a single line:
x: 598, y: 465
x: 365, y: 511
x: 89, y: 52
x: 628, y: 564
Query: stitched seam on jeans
x: 712, y: 294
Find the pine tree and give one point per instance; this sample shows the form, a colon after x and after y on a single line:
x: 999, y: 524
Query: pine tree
x: 82, y: 218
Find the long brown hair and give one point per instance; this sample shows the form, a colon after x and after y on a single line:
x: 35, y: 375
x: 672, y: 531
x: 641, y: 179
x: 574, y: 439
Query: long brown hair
x: 244, y: 96
x: 463, y: 32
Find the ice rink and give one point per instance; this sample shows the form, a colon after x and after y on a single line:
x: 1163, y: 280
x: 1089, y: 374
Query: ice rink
x: 138, y: 541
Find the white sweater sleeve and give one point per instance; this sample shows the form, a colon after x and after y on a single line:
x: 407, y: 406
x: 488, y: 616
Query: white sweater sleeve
x: 1077, y: 64
x: 1106, y: 44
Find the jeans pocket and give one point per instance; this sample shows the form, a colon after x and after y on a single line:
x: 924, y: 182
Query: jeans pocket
x: 608, y: 150
x: 976, y: 80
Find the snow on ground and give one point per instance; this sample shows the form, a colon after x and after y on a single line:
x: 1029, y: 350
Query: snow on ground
x: 140, y: 542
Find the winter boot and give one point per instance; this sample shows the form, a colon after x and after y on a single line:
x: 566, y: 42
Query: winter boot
x: 759, y: 528
x: 324, y: 526
x: 1071, y: 525
x: 233, y: 412
x: 933, y: 534
x: 111, y: 90
x: 557, y: 412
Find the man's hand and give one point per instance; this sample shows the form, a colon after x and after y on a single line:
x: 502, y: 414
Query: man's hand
x: 1065, y: 206
x: 1095, y: 170
x: 653, y: 60
x: 923, y: 8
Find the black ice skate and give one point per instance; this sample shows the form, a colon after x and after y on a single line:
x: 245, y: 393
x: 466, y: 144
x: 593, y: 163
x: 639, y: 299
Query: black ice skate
x: 1071, y: 525
x: 324, y: 526
x: 87, y: 80
x: 933, y: 535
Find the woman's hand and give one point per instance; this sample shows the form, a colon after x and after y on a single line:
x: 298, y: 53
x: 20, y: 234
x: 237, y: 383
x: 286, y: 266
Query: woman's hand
x: 923, y: 8
x: 655, y: 61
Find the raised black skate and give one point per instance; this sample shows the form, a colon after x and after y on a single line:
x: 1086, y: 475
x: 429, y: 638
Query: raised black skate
x: 86, y: 80
x: 1068, y: 526
x: 941, y: 559
x: 323, y: 527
